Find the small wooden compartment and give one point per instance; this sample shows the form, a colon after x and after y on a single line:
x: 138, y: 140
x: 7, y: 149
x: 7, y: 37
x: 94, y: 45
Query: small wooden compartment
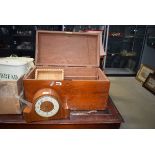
x: 49, y: 74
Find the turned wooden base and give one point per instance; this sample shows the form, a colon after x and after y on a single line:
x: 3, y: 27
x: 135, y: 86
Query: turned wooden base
x: 107, y: 119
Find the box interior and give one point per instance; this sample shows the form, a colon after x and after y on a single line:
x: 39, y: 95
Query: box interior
x: 75, y: 73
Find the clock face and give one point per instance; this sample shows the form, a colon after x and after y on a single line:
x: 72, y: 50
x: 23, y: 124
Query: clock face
x: 46, y: 106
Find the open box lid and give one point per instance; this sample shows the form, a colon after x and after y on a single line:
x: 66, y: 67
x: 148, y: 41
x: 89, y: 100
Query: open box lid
x: 57, y: 48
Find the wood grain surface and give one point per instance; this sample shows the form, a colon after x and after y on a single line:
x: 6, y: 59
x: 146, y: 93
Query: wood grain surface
x: 85, y: 86
x: 67, y: 49
x: 108, y: 118
x: 30, y: 114
x: 79, y: 94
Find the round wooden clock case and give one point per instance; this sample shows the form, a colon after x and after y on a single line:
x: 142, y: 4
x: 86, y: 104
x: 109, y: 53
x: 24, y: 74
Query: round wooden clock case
x: 46, y: 105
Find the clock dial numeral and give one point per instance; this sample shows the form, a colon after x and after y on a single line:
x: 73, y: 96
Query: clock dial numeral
x: 46, y: 101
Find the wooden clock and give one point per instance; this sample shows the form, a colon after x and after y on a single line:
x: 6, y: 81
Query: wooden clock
x: 46, y: 105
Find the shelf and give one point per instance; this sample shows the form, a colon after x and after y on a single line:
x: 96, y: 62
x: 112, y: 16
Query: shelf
x: 22, y: 35
x: 126, y: 37
x: 151, y: 37
x: 119, y: 71
x: 4, y: 35
x: 24, y: 49
x: 116, y: 37
x: 127, y: 56
x: 113, y: 54
x: 4, y: 49
x: 129, y: 37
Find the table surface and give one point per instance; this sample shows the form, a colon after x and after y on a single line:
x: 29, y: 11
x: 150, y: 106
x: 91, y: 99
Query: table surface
x: 109, y: 118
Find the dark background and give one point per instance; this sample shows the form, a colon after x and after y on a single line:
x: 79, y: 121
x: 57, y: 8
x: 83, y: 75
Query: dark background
x: 19, y: 40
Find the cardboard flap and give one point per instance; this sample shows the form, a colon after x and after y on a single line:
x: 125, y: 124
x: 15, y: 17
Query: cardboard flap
x: 67, y: 48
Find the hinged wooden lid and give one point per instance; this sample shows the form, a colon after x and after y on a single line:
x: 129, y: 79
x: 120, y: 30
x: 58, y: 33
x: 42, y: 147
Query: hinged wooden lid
x: 67, y: 48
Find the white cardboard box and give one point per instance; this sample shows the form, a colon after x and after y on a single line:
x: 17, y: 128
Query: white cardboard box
x: 12, y: 68
x: 9, y: 91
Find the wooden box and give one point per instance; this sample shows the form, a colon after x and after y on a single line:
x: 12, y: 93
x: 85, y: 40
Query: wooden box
x: 84, y: 87
x: 9, y: 93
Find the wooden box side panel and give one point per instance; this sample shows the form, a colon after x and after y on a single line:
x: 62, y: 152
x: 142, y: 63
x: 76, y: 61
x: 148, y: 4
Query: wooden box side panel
x: 102, y: 75
x: 88, y: 95
x: 79, y: 95
x: 30, y: 74
x: 82, y: 88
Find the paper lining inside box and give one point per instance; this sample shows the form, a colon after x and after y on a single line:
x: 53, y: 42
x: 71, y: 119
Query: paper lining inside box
x: 67, y: 49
